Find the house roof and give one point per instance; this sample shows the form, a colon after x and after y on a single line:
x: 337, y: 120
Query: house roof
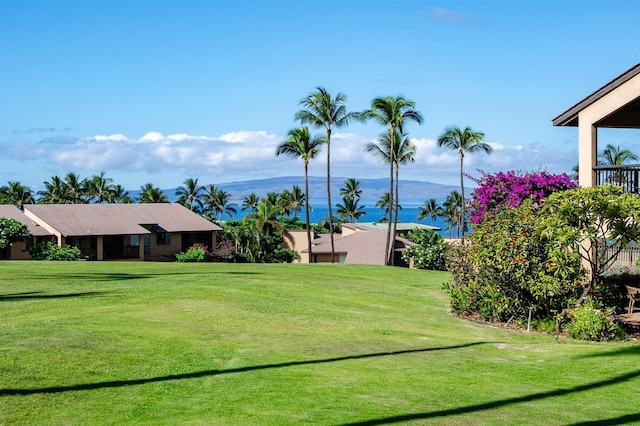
x: 12, y: 212
x: 628, y: 117
x: 362, y: 247
x: 401, y: 226
x: 119, y: 219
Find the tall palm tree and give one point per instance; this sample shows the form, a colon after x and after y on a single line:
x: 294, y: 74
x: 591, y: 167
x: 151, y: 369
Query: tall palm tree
x: 320, y: 109
x: 17, y: 194
x: 77, y: 188
x: 250, y: 202
x: 396, y: 152
x: 300, y: 145
x: 394, y: 113
x: 463, y: 141
x: 55, y: 192
x: 151, y: 194
x: 217, y: 201
x: 350, y: 209
x: 429, y: 209
x: 190, y: 194
x: 296, y: 200
x: 100, y: 188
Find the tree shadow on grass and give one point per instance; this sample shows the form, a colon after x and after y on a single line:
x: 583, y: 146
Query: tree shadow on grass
x: 504, y: 402
x: 121, y: 276
x: 31, y: 295
x: 206, y: 373
x: 631, y: 350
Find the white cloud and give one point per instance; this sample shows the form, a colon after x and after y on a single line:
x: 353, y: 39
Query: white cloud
x: 246, y: 155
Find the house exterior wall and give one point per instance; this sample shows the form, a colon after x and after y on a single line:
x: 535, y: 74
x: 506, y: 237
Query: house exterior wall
x: 297, y: 241
x: 587, y: 126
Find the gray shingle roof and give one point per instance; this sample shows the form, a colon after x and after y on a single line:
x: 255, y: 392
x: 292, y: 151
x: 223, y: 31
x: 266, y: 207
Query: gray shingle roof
x: 12, y: 212
x: 119, y: 219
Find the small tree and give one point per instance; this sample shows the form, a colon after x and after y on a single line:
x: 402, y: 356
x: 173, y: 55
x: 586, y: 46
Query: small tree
x: 588, y: 221
x: 12, y: 231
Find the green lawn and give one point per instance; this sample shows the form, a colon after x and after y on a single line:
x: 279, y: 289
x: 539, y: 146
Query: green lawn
x: 147, y: 343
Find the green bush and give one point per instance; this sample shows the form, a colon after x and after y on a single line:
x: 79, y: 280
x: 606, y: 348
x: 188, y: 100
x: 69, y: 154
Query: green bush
x: 591, y: 322
x: 50, y: 251
x: 195, y: 253
x: 430, y: 251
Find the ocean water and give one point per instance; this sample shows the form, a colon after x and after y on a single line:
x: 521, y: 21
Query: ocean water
x: 409, y: 213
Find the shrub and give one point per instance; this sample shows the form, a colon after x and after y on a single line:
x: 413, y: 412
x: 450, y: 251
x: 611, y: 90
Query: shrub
x: 507, y: 190
x: 196, y: 253
x: 50, y: 251
x: 591, y: 322
x: 12, y: 231
x: 430, y: 251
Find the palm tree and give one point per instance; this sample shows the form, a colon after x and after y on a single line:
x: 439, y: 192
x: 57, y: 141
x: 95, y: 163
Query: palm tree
x: 384, y: 204
x: 55, y: 192
x: 463, y: 141
x: 453, y: 209
x: 120, y: 195
x: 301, y: 145
x: 250, y: 202
x: 190, y: 194
x: 350, y: 209
x: 395, y: 113
x: 151, y: 194
x: 77, y: 188
x: 320, y: 109
x: 396, y: 152
x: 351, y: 188
x: 615, y: 156
x: 265, y: 219
x: 17, y: 194
x: 296, y: 200
x: 216, y: 200
x: 429, y: 209
x: 101, y: 188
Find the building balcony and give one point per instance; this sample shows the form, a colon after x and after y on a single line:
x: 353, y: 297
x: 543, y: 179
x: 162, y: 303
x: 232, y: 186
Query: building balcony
x: 627, y: 176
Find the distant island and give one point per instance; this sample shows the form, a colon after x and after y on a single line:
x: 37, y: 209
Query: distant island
x: 372, y: 189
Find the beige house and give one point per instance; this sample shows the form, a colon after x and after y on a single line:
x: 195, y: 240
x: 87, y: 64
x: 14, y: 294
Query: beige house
x: 614, y: 105
x: 122, y: 231
x: 358, y: 243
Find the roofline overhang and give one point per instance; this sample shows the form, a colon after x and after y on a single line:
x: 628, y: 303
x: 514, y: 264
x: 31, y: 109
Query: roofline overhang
x: 570, y: 116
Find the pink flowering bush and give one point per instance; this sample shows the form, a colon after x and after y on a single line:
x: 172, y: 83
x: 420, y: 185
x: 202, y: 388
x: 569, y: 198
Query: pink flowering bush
x: 508, y: 190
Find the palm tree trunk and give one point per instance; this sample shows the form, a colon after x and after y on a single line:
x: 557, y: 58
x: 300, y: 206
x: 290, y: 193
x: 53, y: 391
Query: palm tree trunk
x: 329, y: 193
x: 462, y: 195
x: 389, y: 213
x: 306, y: 208
x: 395, y: 218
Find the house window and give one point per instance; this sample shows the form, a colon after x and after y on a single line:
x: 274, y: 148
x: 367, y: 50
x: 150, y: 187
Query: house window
x: 163, y: 239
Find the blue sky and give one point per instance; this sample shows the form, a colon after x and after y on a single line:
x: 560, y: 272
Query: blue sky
x: 158, y: 91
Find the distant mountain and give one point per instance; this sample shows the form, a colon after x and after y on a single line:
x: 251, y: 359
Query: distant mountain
x: 411, y: 191
x: 372, y: 189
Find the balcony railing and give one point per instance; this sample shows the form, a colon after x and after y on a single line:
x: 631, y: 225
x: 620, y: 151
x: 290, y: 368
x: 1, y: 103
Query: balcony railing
x: 626, y: 176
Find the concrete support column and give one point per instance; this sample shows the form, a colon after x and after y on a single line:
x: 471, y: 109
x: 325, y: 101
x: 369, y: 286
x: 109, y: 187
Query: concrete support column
x: 100, y: 248
x: 587, y: 153
x: 141, y: 247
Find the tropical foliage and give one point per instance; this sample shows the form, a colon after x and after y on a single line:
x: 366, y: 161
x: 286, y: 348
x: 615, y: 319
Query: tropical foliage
x: 12, y: 231
x: 429, y: 251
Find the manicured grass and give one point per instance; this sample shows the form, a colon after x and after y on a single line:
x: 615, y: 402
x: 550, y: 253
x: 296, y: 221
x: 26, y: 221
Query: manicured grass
x: 146, y: 343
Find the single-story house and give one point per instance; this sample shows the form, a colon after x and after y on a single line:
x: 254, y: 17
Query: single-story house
x: 614, y: 105
x: 123, y: 231
x: 358, y: 243
x: 18, y: 250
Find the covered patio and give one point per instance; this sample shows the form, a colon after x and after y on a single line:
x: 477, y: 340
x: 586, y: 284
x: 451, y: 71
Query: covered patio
x: 615, y: 105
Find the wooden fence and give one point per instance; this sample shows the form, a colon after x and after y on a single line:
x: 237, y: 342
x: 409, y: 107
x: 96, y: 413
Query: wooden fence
x: 627, y: 256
